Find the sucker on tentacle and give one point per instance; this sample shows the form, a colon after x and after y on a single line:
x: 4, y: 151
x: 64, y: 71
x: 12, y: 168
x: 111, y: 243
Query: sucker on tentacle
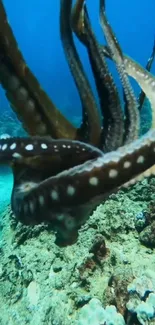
x: 110, y: 105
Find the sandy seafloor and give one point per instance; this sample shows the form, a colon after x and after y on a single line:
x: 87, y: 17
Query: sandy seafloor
x: 113, y: 261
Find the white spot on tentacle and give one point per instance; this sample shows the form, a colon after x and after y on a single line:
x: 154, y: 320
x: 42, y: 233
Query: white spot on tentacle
x: 32, y: 206
x: 54, y: 195
x: 41, y: 200
x: 13, y: 146
x: 30, y: 106
x: 29, y: 147
x: 93, y: 181
x: 22, y: 93
x: 16, y: 155
x: 70, y: 190
x: 44, y: 146
x: 113, y: 173
x: 140, y: 160
x: 127, y: 164
x: 4, y: 146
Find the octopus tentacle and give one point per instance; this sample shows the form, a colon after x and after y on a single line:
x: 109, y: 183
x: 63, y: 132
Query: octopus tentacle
x: 82, y: 84
x: 34, y: 160
x: 142, y: 95
x: 143, y: 77
x: 77, y: 20
x: 146, y: 81
x: 96, y: 177
x: 117, y: 56
x: 38, y: 114
x: 37, y: 199
x: 110, y: 105
x: 37, y: 151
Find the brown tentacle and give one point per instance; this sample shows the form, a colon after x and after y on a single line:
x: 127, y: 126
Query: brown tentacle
x: 113, y: 120
x: 77, y: 20
x: 133, y: 123
x: 35, y: 160
x: 83, y: 86
x: 70, y: 195
x: 38, y: 152
x: 31, y: 104
x: 148, y: 67
x: 143, y: 77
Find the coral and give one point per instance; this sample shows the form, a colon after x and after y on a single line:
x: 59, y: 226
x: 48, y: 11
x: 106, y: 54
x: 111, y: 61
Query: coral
x: 10, y: 125
x: 142, y: 297
x: 94, y: 314
x: 4, y: 136
x: 99, y: 249
x: 140, y: 221
x: 143, y: 284
x: 147, y: 234
x: 145, y: 310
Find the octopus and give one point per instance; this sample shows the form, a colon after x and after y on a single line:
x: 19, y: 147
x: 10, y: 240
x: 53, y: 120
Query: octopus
x: 61, y: 173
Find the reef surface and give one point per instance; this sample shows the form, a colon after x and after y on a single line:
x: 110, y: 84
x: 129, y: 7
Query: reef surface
x: 113, y: 257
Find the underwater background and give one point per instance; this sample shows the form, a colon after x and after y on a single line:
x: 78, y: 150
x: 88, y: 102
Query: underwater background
x: 36, y: 27
x: 59, y: 282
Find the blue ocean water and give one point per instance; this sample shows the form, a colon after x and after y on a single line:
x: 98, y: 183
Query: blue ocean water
x: 36, y: 28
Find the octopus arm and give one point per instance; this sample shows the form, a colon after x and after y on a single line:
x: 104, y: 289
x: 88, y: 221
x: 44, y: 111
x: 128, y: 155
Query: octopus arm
x: 91, y: 127
x: 132, y: 113
x: 82, y: 184
x: 37, y: 151
x: 143, y: 77
x: 38, y: 114
x: 148, y: 67
x: 112, y: 114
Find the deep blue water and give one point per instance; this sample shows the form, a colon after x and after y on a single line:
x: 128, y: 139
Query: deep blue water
x: 36, y: 27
